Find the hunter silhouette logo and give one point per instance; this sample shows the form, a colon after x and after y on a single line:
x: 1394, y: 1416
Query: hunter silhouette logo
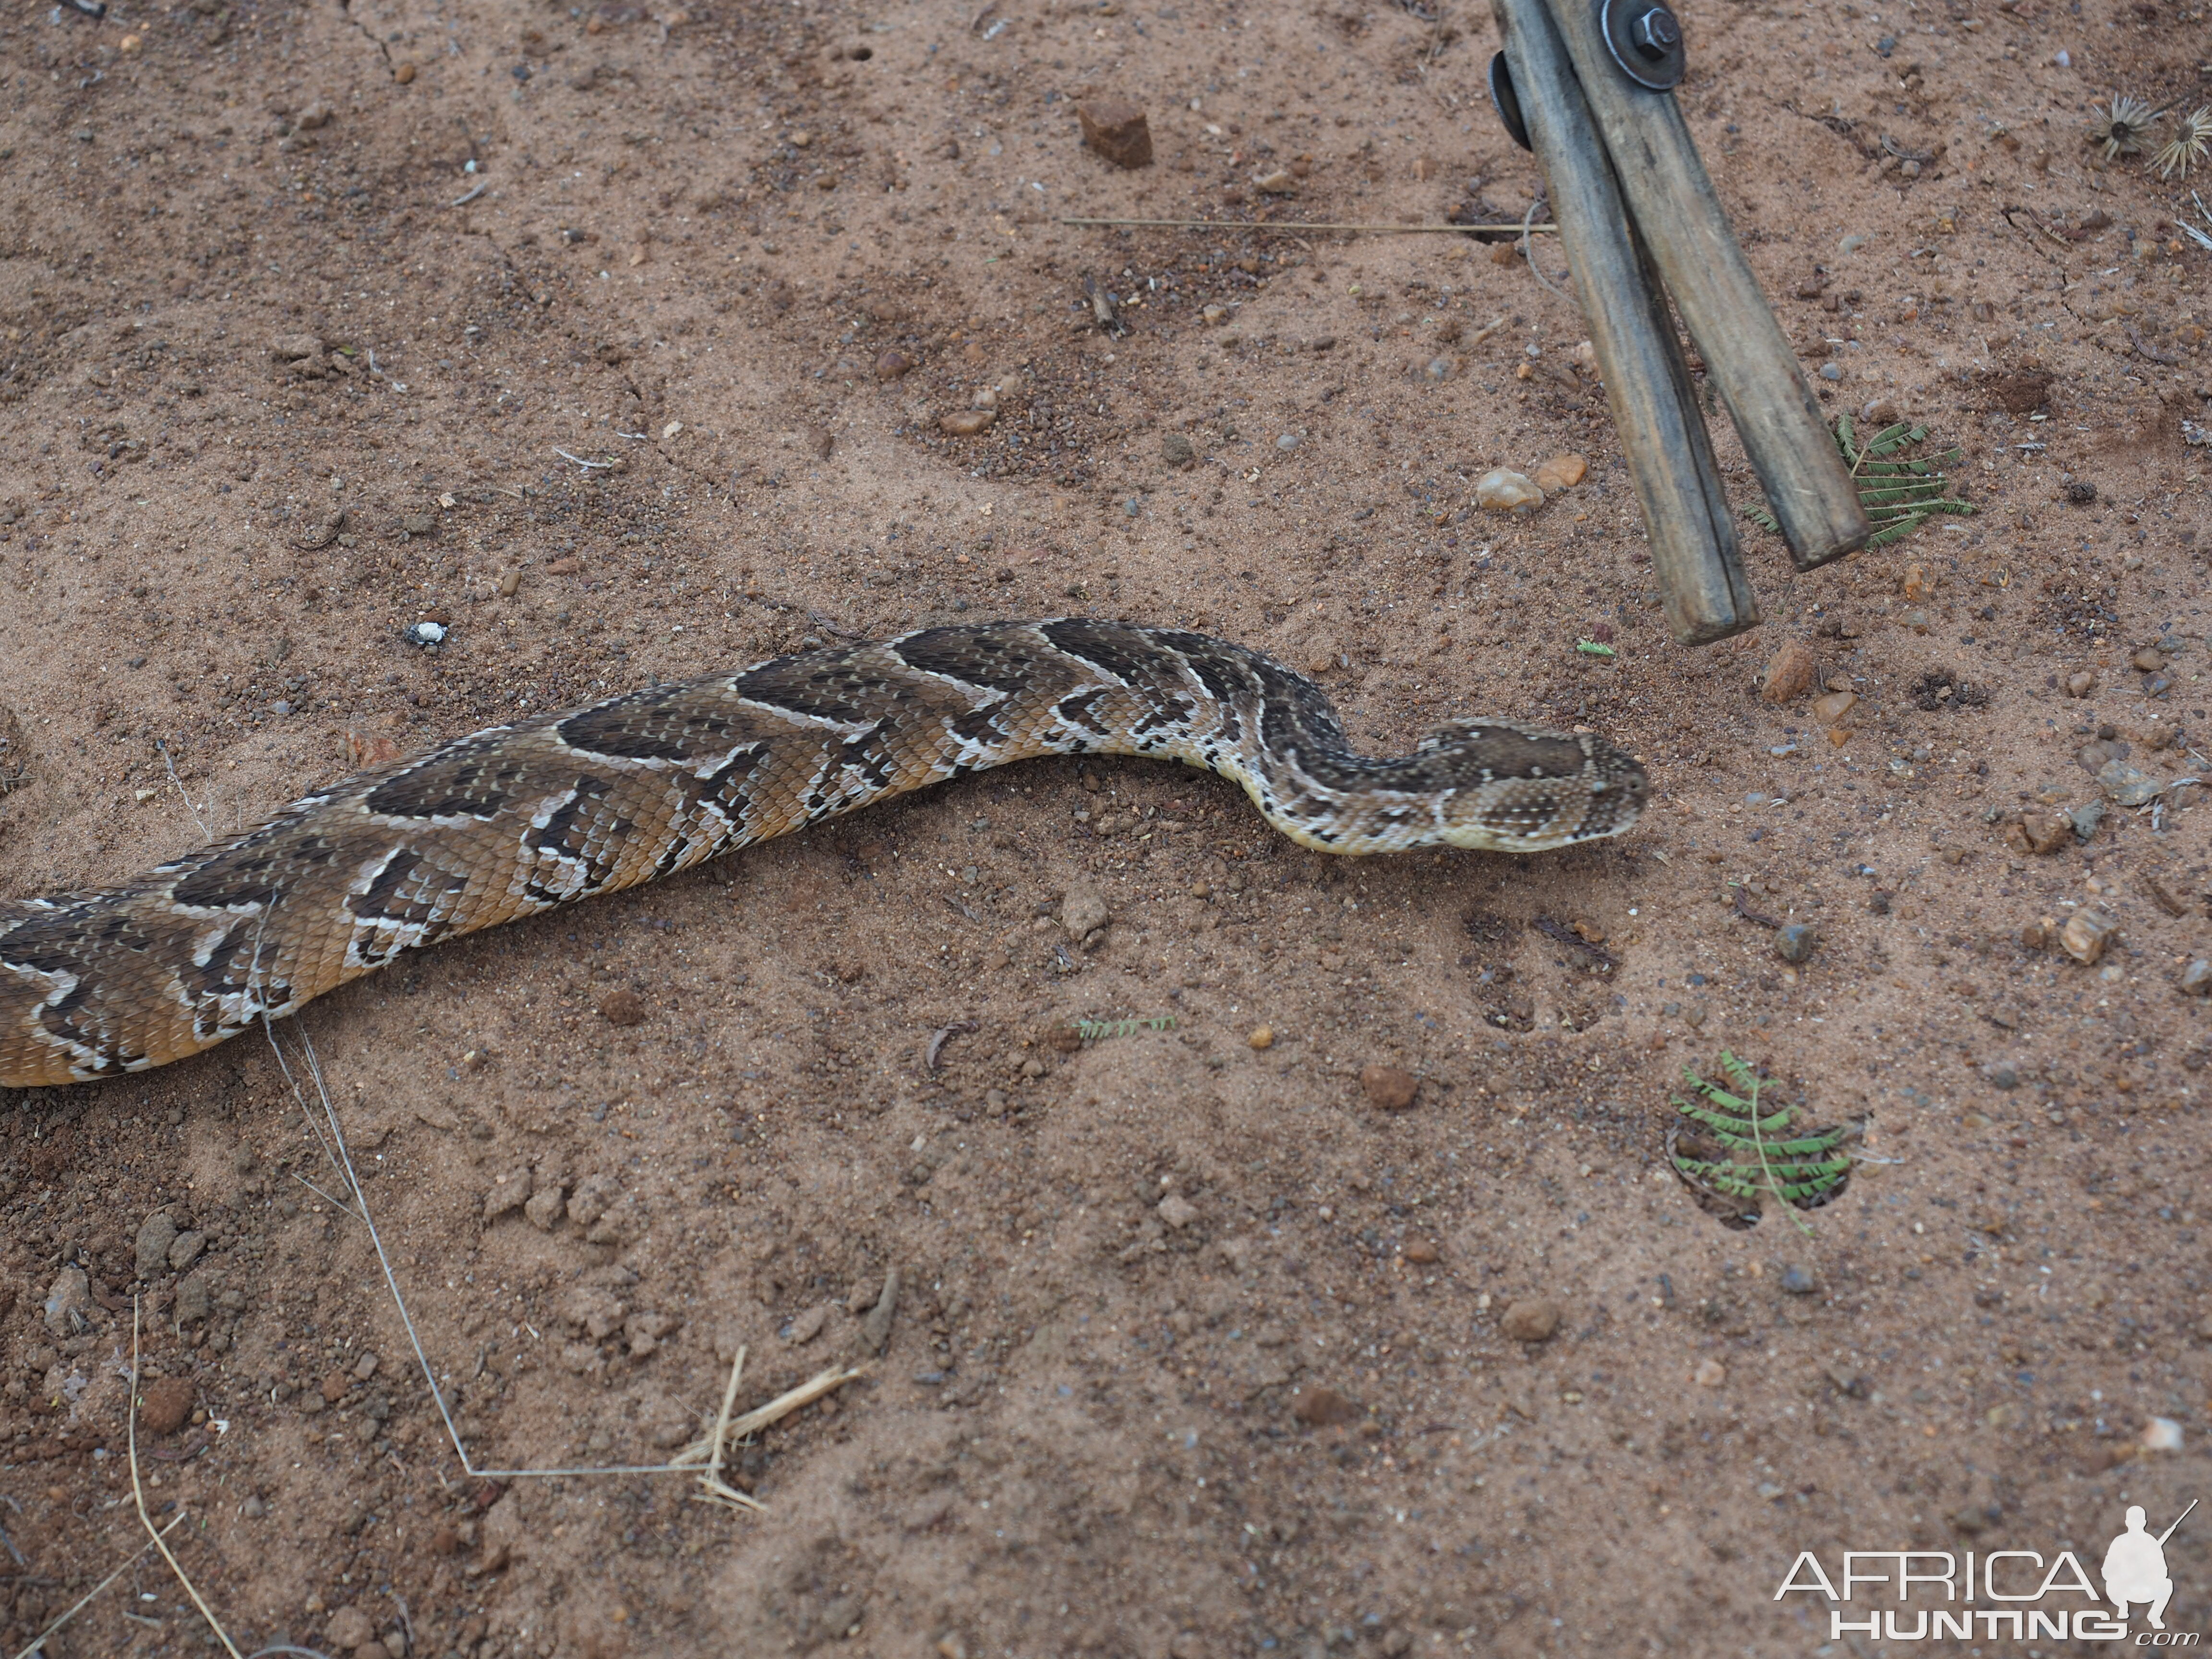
x: 2015, y: 1595
x: 2134, y: 1567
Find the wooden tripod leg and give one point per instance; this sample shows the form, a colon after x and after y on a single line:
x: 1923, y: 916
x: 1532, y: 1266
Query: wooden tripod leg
x: 1694, y: 552
x: 1747, y: 355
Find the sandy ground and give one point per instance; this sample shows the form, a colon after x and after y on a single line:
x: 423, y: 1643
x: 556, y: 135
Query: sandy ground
x: 1196, y: 1349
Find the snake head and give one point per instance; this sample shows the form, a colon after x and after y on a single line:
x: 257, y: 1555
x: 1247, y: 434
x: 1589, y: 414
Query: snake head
x: 1516, y: 788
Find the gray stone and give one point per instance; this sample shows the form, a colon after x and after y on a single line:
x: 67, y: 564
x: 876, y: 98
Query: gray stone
x: 1795, y: 941
x: 69, y: 1303
x: 155, y: 1235
x: 876, y: 1327
x: 1178, y: 450
x: 2085, y: 819
x: 592, y: 1198
x: 544, y: 1208
x: 510, y: 1193
x: 2197, y: 978
x: 1081, y: 909
x: 1798, y: 1281
x: 194, y: 1301
x: 2126, y: 785
x: 185, y: 1249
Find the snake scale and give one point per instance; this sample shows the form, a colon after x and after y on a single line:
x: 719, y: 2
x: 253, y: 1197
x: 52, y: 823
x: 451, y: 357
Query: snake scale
x: 552, y: 808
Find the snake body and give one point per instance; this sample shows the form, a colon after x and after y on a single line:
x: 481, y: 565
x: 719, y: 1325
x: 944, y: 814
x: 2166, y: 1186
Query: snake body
x: 550, y: 810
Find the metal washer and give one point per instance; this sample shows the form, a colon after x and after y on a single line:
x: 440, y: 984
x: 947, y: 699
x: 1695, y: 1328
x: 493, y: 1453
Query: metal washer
x: 1618, y: 21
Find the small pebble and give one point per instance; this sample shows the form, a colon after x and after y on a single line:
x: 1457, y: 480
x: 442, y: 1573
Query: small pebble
x: 892, y: 364
x: 1289, y: 440
x: 1789, y: 673
x: 1832, y: 708
x: 425, y: 633
x: 348, y: 1628
x: 1531, y: 1320
x: 1387, y: 1088
x: 185, y: 1249
x: 1117, y: 129
x: 166, y: 1404
x: 1439, y: 368
x: 1503, y: 490
x: 1317, y: 1407
x: 2197, y: 978
x: 1263, y: 1036
x: 2125, y: 786
x: 195, y: 1299
x: 1082, y: 910
x: 155, y: 1235
x: 1178, y: 450
x: 1828, y: 372
x: 622, y: 1008
x: 404, y: 74
x: 1561, y: 472
x: 1711, y: 1373
x: 966, y: 423
x: 2148, y: 659
x: 1177, y: 1211
x: 1794, y: 941
x: 1797, y: 1281
x: 2085, y: 934
x: 2161, y: 1434
x: 2039, y: 833
x: 1421, y: 1251
x: 1278, y: 183
x: 2081, y: 685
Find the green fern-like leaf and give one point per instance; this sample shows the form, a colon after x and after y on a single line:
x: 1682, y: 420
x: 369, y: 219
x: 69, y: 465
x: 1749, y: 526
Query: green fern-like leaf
x: 1736, y: 1151
x: 1899, y: 491
x: 1101, y: 1030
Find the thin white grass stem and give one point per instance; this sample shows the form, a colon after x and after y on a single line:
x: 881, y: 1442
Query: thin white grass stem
x: 138, y: 1497
x: 39, y: 1642
x: 344, y: 1160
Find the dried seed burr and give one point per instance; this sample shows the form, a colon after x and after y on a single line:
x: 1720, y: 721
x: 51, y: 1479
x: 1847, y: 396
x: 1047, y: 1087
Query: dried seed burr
x: 2122, y: 126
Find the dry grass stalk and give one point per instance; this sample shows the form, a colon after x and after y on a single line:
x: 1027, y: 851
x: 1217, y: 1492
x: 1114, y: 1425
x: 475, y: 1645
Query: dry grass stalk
x: 731, y: 1430
x: 39, y: 1642
x: 727, y: 1430
x: 139, y: 1496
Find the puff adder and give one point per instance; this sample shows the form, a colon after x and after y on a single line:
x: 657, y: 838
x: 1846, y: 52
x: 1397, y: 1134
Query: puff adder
x: 552, y: 810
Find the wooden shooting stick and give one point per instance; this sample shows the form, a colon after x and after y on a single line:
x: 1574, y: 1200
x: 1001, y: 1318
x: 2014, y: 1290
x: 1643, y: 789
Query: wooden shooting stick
x: 1586, y: 85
